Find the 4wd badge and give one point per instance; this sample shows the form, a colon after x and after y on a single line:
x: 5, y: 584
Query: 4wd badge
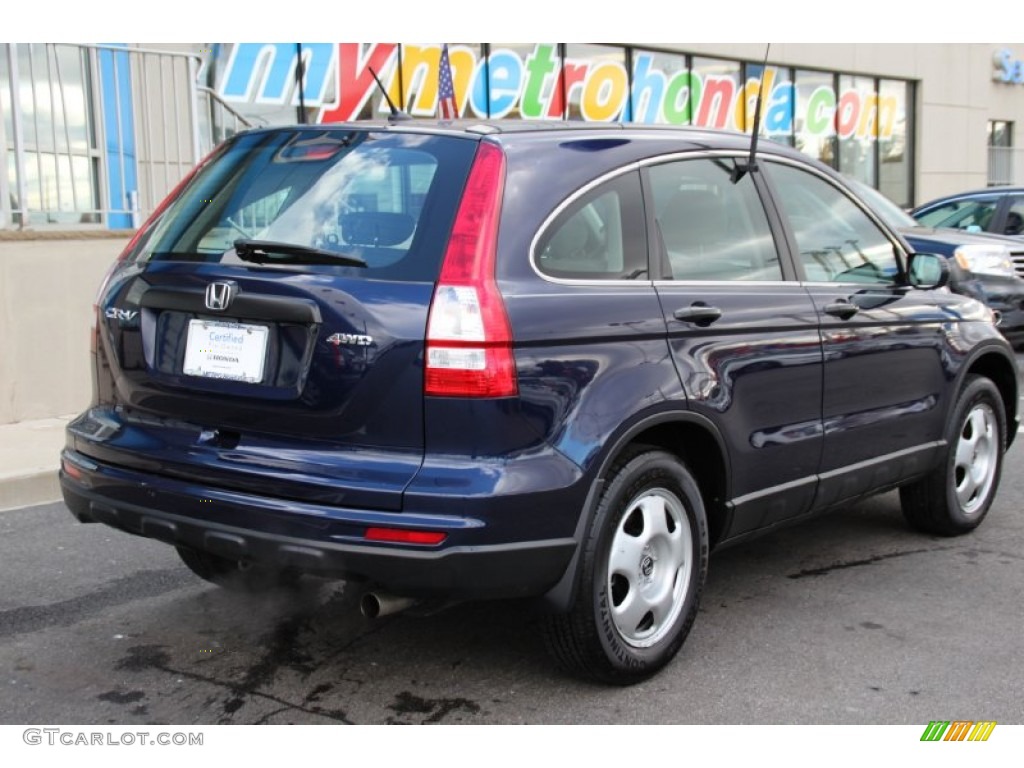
x: 350, y: 339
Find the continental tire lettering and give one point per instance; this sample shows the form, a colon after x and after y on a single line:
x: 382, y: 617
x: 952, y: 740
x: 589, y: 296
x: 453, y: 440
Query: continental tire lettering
x: 611, y: 635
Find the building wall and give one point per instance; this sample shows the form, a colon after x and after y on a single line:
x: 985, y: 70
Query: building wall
x: 46, y: 292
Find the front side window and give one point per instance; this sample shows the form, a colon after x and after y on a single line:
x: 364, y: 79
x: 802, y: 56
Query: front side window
x: 835, y: 238
x: 712, y: 228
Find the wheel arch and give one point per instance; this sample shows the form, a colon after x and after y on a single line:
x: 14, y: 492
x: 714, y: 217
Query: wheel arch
x: 994, y: 364
x: 687, y: 435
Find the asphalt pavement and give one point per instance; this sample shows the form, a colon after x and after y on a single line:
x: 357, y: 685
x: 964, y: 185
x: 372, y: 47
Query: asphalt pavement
x: 850, y: 618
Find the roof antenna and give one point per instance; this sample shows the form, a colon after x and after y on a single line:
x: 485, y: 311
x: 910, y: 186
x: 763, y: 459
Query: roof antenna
x: 741, y: 169
x: 396, y: 114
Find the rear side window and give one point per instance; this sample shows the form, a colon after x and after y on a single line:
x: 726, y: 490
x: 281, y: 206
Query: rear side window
x: 388, y: 199
x: 600, y: 236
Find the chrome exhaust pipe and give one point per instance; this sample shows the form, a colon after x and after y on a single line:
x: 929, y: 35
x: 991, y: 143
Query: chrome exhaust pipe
x: 373, y: 605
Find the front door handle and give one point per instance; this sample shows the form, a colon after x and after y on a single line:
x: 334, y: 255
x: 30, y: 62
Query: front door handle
x: 698, y: 313
x: 842, y: 309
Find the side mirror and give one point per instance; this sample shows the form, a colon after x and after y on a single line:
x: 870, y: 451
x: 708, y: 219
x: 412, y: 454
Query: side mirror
x: 928, y: 271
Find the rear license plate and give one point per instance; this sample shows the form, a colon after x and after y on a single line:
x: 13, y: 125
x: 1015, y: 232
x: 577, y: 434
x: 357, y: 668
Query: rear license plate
x: 232, y: 351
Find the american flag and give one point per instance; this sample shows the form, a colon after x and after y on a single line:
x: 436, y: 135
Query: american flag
x: 446, y: 107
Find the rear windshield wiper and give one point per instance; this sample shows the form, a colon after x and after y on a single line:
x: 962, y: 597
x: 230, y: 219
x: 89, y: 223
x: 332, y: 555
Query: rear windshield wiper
x: 269, y: 252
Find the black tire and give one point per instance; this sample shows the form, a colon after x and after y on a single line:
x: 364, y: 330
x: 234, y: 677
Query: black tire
x: 236, y: 575
x: 954, y: 497
x: 629, y: 619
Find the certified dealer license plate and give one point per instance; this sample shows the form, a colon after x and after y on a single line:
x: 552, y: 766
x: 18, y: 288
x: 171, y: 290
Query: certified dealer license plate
x: 232, y: 351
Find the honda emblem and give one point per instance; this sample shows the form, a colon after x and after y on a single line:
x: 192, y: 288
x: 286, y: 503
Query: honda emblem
x: 220, y: 295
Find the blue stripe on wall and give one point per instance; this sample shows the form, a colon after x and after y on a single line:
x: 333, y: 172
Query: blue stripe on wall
x: 117, y: 99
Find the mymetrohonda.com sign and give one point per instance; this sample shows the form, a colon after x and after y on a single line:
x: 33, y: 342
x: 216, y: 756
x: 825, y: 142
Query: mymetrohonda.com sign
x: 530, y: 84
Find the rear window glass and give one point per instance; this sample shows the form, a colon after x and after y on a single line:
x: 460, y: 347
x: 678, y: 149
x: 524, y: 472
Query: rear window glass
x: 388, y: 199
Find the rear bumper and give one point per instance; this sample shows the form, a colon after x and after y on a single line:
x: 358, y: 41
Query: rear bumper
x: 316, y: 539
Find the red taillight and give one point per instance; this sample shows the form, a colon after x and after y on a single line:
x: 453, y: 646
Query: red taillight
x: 402, y: 536
x: 469, y: 340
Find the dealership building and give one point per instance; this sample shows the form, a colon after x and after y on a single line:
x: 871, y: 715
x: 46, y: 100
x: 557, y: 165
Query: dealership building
x: 93, y: 136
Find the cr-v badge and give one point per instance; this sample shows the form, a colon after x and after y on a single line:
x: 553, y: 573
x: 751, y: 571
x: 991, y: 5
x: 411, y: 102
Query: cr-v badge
x: 219, y: 295
x: 124, y: 315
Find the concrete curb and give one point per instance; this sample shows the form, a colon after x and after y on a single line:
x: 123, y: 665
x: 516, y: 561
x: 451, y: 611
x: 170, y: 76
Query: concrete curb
x: 29, y: 460
x: 29, y: 490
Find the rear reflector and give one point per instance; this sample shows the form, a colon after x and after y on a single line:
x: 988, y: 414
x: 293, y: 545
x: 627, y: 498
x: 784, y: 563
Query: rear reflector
x: 403, y: 536
x: 469, y: 340
x: 71, y: 470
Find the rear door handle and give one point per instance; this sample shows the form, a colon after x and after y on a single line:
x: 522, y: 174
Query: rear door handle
x: 698, y: 314
x: 842, y: 309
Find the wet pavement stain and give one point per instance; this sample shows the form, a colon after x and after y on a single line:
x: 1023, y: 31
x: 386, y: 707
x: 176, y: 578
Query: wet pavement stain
x: 407, y: 703
x: 138, y: 586
x: 866, y: 561
x: 308, y: 632
x: 233, y: 705
x: 143, y: 657
x: 317, y: 692
x: 117, y: 697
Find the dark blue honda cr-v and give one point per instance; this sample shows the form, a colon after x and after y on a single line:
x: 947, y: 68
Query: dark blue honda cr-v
x: 469, y: 360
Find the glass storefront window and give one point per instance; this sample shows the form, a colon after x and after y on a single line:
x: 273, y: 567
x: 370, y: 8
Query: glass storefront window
x: 596, y: 82
x: 662, y: 89
x: 718, y: 105
x: 894, y: 131
x: 815, y: 126
x: 420, y: 67
x: 857, y: 118
x: 526, y: 81
x: 58, y: 136
x: 778, y: 101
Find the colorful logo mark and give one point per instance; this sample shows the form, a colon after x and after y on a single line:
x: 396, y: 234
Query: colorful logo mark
x: 958, y: 730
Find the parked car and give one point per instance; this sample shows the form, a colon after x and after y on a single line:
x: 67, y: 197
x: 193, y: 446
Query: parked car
x: 981, y: 265
x: 997, y: 210
x: 488, y: 359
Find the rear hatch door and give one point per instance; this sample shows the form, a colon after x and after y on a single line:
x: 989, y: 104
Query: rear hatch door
x: 267, y: 330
